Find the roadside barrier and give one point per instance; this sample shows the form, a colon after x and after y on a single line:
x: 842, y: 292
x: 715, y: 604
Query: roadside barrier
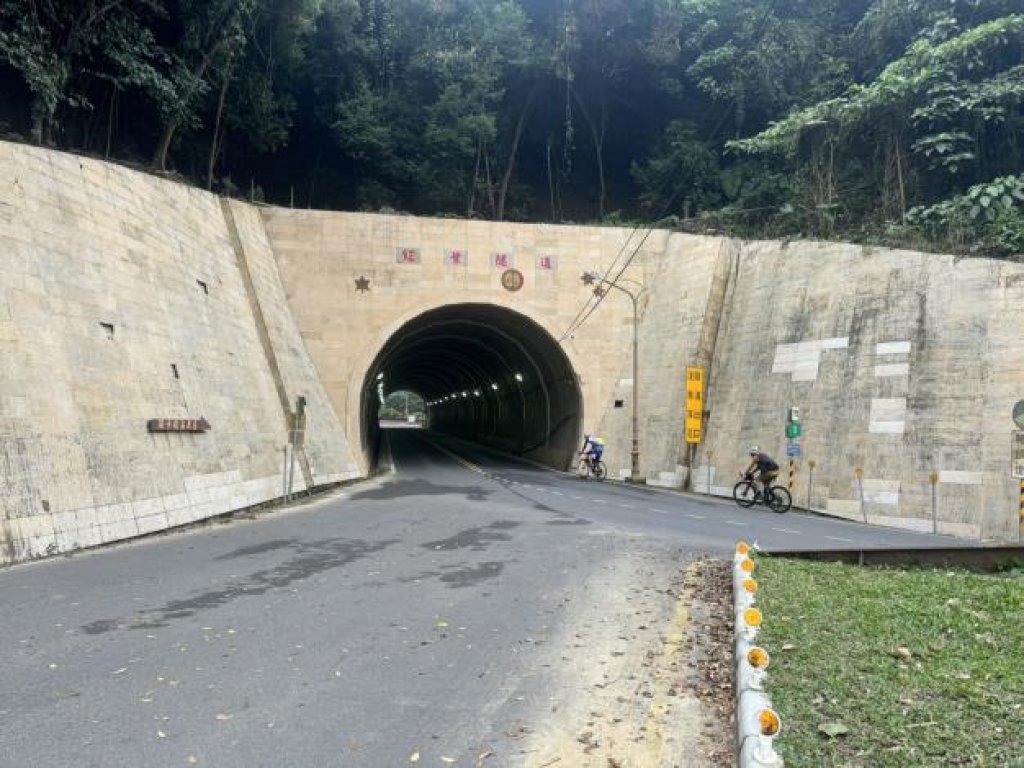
x: 757, y: 722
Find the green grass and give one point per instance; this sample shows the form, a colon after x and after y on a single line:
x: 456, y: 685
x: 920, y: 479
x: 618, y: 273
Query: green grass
x: 839, y: 638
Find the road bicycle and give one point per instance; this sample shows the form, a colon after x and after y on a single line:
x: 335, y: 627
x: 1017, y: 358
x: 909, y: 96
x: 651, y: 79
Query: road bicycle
x: 591, y: 468
x: 747, y: 493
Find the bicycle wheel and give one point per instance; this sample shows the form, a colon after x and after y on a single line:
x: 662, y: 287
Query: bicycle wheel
x: 744, y: 493
x: 600, y: 470
x: 780, y: 500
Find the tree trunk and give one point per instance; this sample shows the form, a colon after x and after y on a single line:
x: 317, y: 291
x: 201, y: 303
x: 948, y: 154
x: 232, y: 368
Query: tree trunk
x: 506, y: 178
x: 597, y: 136
x: 215, y: 144
x: 551, y: 183
x: 471, y: 204
x: 167, y: 136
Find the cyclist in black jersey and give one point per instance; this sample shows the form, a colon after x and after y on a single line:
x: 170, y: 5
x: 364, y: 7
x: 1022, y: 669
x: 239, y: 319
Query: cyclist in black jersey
x: 762, y: 468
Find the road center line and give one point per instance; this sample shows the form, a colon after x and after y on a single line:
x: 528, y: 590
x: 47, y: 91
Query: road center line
x: 784, y: 530
x: 733, y: 522
x: 693, y: 517
x: 838, y: 538
x: 659, y: 511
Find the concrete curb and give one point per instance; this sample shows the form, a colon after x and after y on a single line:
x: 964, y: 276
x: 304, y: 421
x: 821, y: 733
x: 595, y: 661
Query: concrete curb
x: 756, y: 722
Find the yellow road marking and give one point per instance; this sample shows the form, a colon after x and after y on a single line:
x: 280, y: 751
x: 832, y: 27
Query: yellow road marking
x: 673, y: 648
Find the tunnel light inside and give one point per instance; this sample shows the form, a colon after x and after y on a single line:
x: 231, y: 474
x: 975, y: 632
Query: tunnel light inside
x: 476, y: 393
x: 519, y: 377
x: 494, y: 387
x: 380, y: 376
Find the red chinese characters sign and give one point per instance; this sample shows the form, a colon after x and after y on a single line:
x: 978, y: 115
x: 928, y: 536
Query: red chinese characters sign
x: 454, y: 257
x: 500, y: 260
x: 178, y: 425
x: 547, y: 263
x: 407, y: 255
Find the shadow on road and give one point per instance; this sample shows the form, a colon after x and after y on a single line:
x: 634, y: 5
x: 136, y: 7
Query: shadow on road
x: 401, y: 489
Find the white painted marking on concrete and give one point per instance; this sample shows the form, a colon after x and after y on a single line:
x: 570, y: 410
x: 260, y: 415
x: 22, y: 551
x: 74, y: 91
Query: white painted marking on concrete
x: 881, y: 497
x: 893, y: 348
x: 628, y: 506
x: 840, y: 342
x: 558, y: 493
x: 887, y: 427
x: 785, y: 530
x: 888, y: 415
x: 893, y: 369
x: 659, y: 511
x: 577, y: 498
x: 693, y: 517
x: 802, y: 358
x: 838, y: 538
x: 733, y: 522
x: 625, y: 382
x: 959, y: 477
x: 598, y: 501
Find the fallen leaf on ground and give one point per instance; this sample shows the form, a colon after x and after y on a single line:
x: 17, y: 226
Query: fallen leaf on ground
x: 414, y: 757
x: 832, y: 730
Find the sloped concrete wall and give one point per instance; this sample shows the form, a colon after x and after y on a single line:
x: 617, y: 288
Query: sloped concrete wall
x: 903, y: 364
x: 121, y: 300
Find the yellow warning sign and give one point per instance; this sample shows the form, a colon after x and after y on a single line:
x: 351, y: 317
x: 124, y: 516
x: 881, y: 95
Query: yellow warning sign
x: 694, y: 405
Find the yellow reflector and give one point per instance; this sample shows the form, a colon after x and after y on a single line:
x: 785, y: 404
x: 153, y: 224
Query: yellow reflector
x: 770, y: 722
x: 750, y: 585
x: 742, y: 548
x: 757, y: 657
x: 752, y: 617
x: 747, y: 566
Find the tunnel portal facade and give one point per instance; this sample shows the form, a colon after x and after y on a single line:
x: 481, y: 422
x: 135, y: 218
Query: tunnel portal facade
x: 488, y: 374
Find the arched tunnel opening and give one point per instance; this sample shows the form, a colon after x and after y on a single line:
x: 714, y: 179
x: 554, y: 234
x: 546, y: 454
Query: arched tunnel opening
x: 487, y: 374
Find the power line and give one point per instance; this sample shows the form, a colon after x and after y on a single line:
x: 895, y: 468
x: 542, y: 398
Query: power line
x: 584, y: 313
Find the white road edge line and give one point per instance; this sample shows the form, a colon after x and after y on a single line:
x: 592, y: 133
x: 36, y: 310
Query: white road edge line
x: 785, y: 530
x: 839, y: 538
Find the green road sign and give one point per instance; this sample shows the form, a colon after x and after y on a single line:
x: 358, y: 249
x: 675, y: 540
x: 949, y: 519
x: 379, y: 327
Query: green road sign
x: 793, y: 430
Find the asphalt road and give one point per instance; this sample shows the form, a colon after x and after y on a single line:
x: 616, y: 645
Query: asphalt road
x: 464, y: 610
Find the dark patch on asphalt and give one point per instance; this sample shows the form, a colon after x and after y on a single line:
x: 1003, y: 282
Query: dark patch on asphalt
x: 545, y: 508
x: 402, y: 489
x: 474, y: 538
x: 310, y: 559
x: 259, y: 549
x: 459, y: 575
x: 468, y: 577
x: 573, y: 521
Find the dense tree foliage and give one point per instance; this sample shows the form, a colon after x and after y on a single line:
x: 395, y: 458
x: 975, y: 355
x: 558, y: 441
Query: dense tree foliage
x: 894, y: 121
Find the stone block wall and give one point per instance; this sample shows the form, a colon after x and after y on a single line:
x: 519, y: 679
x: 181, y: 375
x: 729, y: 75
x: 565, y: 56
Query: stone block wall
x: 903, y: 364
x: 121, y: 300
x: 124, y: 297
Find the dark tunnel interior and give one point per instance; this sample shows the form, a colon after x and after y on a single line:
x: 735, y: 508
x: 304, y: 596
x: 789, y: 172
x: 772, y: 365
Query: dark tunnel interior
x: 488, y: 374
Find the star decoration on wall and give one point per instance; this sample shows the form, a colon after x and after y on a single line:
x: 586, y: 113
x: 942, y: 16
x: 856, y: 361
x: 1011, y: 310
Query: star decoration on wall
x: 362, y: 284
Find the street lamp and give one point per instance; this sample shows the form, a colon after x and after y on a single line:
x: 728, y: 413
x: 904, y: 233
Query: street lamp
x: 593, y: 278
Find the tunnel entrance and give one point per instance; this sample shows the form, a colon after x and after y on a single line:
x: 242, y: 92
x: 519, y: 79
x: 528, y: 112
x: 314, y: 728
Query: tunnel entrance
x: 486, y: 374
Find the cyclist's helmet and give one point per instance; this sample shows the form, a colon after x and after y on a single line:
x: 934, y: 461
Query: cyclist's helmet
x: 754, y: 450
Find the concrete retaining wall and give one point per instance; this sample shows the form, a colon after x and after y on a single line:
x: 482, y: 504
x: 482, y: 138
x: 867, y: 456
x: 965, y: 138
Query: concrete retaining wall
x: 121, y: 300
x: 902, y: 364
x: 124, y: 298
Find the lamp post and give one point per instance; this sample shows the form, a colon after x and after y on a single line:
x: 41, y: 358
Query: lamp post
x: 592, y: 278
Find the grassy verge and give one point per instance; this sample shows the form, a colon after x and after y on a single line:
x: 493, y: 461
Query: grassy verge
x: 888, y: 667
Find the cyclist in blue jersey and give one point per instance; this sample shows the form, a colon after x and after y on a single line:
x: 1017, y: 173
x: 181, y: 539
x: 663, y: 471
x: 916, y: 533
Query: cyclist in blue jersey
x: 593, y: 449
